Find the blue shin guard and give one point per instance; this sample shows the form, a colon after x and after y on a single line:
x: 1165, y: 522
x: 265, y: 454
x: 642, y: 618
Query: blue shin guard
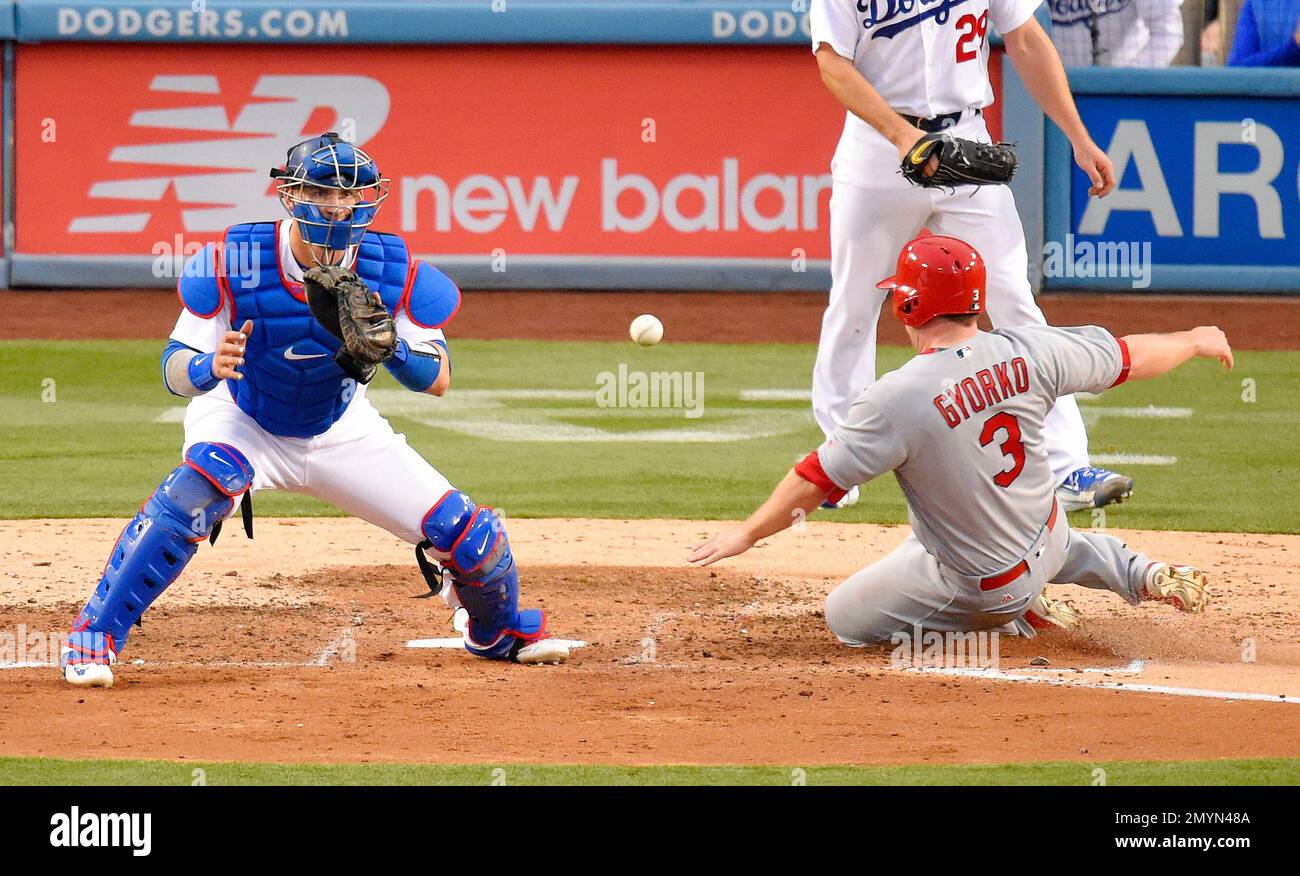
x: 484, y: 574
x: 155, y: 546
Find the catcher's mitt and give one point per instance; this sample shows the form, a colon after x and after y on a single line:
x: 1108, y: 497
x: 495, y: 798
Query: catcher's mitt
x: 961, y: 162
x: 343, y: 303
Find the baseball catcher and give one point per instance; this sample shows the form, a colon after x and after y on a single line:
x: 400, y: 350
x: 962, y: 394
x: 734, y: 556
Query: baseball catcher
x: 987, y: 529
x: 279, y: 404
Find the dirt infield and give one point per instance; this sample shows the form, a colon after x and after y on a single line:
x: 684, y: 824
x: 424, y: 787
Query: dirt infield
x: 259, y: 653
x: 1252, y: 323
x: 292, y: 647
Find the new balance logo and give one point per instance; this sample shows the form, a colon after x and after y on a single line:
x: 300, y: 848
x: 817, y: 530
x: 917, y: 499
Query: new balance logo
x: 278, y: 109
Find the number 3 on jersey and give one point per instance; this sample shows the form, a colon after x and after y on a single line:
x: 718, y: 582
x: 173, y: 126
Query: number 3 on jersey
x: 972, y: 30
x: 1012, y: 447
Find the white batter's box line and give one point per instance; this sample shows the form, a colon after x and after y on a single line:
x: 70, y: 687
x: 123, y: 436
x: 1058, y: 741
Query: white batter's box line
x: 1149, y: 412
x: 1123, y: 686
x: 1133, y: 459
x: 173, y: 414
x: 1134, y: 667
x: 456, y: 643
x: 752, y: 395
x: 220, y: 664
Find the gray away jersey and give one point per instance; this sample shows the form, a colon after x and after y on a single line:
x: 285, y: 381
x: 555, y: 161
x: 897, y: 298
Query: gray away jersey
x: 962, y: 430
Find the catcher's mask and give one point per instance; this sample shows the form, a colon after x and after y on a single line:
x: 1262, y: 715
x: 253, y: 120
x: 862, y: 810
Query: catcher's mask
x: 332, y: 189
x: 936, y: 276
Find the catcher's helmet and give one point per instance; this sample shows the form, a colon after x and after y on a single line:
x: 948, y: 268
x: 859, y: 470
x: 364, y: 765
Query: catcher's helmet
x: 936, y: 276
x: 330, y: 162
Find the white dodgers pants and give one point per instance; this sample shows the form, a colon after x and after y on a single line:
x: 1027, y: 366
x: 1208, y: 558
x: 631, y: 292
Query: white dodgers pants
x: 359, y: 465
x: 874, y: 212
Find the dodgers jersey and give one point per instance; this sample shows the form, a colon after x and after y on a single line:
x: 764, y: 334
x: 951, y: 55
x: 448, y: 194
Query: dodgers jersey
x: 925, y: 57
x: 962, y: 430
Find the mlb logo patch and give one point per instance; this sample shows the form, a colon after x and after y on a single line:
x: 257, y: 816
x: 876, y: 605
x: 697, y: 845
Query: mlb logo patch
x: 963, y: 352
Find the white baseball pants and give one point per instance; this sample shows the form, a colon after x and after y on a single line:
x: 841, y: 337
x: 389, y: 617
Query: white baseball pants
x: 359, y: 465
x: 908, y: 587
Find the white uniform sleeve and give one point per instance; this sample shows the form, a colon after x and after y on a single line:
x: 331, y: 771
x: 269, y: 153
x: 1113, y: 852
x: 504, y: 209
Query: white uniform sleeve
x: 865, y: 446
x: 835, y: 23
x: 1080, y: 359
x: 1008, y: 15
x: 202, y: 334
x: 414, y: 334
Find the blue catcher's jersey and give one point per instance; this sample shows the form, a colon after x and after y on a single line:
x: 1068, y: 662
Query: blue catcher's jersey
x: 291, y: 385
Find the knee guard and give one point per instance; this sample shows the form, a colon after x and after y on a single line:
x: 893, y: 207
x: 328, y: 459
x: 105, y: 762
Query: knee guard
x: 155, y: 546
x: 484, y: 575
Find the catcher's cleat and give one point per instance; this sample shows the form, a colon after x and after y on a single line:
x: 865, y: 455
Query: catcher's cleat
x: 87, y: 660
x: 1091, y: 487
x: 1044, y: 613
x: 850, y: 498
x: 543, y: 651
x: 1184, y: 587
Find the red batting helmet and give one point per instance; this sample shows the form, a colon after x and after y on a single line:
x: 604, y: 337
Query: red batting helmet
x: 936, y: 276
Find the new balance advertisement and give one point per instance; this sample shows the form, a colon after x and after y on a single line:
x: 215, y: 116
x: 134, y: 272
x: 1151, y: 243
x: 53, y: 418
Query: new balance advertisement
x: 517, y: 150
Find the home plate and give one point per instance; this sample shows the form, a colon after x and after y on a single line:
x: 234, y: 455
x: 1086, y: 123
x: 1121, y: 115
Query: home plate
x: 457, y: 643
x: 460, y: 622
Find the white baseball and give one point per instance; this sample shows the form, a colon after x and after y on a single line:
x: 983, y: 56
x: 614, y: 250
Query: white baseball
x: 647, y: 330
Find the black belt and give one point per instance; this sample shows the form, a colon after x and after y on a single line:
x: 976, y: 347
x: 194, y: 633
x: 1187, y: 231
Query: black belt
x: 938, y: 123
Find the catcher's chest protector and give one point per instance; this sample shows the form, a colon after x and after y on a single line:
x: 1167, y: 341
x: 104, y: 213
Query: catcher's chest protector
x: 291, y: 385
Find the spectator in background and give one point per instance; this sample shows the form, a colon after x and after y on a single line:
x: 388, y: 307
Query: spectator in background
x: 1117, y: 33
x: 1268, y: 34
x: 1211, y: 35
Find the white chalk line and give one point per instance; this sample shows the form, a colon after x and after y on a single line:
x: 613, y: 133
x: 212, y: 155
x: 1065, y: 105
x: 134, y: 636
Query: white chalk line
x: 255, y: 664
x: 330, y: 651
x: 458, y: 642
x: 1146, y: 412
x: 775, y: 395
x: 1129, y: 687
x: 1134, y: 667
x: 1133, y: 459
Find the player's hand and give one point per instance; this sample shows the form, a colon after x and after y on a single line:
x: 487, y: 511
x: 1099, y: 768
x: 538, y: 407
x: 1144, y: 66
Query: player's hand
x: 230, y: 353
x: 1096, y: 164
x: 727, y: 543
x: 904, y: 142
x: 1212, y: 343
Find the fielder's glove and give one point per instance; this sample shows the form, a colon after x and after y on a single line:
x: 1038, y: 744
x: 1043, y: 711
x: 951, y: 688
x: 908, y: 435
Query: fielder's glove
x: 343, y: 303
x: 961, y: 162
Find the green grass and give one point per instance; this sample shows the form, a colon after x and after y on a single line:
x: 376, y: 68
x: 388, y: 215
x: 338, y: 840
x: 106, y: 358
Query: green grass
x: 52, y: 771
x: 81, y: 437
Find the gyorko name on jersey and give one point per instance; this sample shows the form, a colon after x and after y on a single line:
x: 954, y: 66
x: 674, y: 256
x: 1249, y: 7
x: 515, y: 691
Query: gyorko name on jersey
x: 983, y: 389
x: 880, y: 11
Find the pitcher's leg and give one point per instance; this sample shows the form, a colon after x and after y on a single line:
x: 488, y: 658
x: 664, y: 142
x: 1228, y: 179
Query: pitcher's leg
x: 868, y: 228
